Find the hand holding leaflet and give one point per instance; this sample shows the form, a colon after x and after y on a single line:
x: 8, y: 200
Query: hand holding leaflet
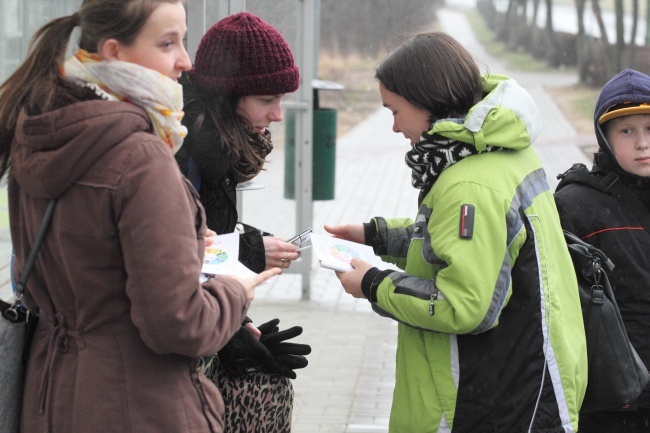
x: 336, y: 254
x: 222, y: 257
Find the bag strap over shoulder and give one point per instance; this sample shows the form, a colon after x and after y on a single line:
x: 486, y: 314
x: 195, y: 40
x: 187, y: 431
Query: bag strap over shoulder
x: 31, y: 258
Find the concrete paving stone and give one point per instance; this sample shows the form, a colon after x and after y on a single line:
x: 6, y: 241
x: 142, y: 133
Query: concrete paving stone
x: 329, y: 428
x: 383, y: 385
x: 372, y: 427
x: 336, y: 412
x: 341, y: 404
x: 361, y: 405
x: 377, y: 409
x: 313, y: 411
x: 315, y: 419
x: 382, y: 389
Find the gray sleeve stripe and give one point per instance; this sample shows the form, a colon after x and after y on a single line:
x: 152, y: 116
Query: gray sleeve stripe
x: 533, y: 185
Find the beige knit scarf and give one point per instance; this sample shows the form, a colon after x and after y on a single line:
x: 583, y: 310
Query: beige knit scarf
x: 114, y: 80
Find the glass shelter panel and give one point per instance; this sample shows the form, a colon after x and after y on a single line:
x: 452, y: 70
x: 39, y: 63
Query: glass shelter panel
x: 20, y: 20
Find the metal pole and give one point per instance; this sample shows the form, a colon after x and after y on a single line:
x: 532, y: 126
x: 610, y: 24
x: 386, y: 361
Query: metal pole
x: 317, y: 35
x: 304, y: 134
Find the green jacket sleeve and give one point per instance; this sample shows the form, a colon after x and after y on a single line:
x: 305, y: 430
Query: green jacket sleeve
x: 392, y: 239
x: 452, y: 284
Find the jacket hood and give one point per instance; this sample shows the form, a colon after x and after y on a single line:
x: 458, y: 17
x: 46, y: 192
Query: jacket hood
x: 507, y: 117
x: 51, y: 151
x: 628, y: 86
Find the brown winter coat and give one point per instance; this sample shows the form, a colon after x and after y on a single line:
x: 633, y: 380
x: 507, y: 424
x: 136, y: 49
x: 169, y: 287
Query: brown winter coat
x: 123, y: 318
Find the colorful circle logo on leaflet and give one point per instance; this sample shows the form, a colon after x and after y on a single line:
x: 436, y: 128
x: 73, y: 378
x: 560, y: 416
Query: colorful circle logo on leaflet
x: 215, y: 256
x: 343, y: 253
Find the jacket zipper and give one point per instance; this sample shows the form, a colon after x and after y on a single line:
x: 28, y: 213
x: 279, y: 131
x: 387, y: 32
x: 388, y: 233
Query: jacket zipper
x: 433, y: 297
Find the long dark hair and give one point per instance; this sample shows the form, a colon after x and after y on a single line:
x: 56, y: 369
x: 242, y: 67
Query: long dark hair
x: 34, y: 84
x: 434, y: 72
x: 221, y: 110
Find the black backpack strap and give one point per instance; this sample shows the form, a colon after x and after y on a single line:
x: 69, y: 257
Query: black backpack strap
x: 31, y: 258
x: 614, y: 185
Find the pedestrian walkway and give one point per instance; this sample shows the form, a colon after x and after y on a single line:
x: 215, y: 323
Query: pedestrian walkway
x: 347, y: 387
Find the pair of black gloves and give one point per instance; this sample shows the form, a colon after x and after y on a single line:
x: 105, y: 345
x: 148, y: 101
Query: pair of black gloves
x: 245, y: 354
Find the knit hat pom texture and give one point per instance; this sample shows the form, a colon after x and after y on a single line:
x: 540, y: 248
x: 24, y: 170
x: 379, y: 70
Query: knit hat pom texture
x: 243, y: 55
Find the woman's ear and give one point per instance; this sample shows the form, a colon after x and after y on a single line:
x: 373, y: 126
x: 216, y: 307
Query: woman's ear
x: 110, y: 49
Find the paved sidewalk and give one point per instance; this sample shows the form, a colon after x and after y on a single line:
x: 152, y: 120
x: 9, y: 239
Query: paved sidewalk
x: 348, y: 384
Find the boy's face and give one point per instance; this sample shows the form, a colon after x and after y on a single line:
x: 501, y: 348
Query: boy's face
x: 629, y: 138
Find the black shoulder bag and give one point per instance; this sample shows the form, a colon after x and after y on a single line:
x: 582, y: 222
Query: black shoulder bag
x: 616, y: 376
x: 16, y: 329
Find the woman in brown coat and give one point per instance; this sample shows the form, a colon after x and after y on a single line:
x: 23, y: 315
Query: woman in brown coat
x: 123, y: 318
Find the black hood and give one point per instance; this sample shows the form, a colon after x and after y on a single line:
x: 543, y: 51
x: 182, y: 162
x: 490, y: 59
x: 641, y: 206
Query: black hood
x: 628, y: 86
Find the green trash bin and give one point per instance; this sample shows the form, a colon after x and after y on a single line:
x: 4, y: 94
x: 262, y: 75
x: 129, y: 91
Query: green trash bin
x: 323, y: 154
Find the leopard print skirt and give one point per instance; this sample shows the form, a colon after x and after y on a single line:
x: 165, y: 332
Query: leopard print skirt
x: 254, y: 403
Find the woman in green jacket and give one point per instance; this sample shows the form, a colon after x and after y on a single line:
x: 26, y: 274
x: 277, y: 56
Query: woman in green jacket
x: 490, y: 336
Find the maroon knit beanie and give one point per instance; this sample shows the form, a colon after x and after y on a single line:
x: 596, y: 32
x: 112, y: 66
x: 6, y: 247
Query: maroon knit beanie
x: 242, y: 55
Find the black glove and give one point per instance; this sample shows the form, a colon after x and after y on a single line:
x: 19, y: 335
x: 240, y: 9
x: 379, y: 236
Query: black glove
x: 244, y: 354
x: 287, y: 356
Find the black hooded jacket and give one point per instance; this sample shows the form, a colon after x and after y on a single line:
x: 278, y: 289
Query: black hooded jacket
x: 599, y: 217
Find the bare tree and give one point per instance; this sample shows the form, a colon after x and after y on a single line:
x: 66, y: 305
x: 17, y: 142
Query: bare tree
x: 510, y: 20
x: 581, y: 42
x: 635, y: 20
x: 550, y: 35
x: 620, y: 34
x: 599, y: 19
x: 535, y: 12
x: 372, y: 26
x: 524, y: 11
x: 536, y: 31
x: 603, y: 36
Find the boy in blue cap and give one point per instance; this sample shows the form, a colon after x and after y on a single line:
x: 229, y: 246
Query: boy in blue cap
x: 609, y: 207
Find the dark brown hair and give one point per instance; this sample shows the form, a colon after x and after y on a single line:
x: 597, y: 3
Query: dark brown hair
x: 434, y: 72
x: 33, y: 85
x: 220, y: 109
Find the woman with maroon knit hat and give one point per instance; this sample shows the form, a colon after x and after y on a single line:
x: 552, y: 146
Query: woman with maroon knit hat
x: 242, y: 70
